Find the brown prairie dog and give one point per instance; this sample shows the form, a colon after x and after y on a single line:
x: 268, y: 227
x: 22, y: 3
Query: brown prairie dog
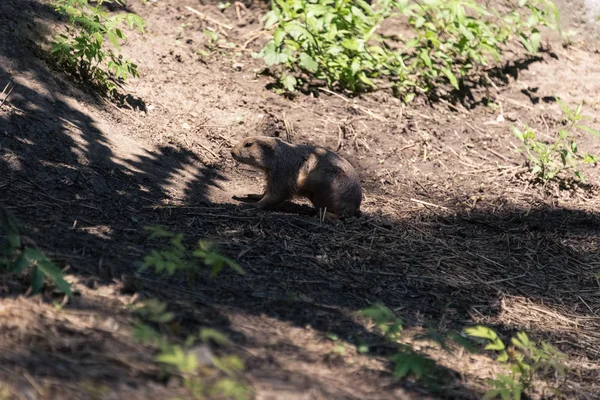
x: 326, y: 179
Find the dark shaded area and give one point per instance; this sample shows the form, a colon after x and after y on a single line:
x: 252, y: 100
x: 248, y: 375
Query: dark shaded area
x: 88, y: 211
x: 531, y: 93
x: 499, y: 75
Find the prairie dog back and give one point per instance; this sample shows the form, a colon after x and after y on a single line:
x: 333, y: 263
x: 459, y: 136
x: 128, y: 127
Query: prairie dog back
x: 325, y: 178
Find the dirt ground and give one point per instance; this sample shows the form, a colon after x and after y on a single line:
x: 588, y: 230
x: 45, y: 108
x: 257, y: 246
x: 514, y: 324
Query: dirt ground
x: 453, y: 233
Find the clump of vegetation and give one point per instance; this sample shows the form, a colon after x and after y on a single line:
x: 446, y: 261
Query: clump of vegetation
x: 203, y: 374
x: 178, y: 258
x: 551, y: 161
x: 17, y: 259
x: 405, y: 361
x: 83, y: 50
x: 337, y: 42
x: 525, y: 359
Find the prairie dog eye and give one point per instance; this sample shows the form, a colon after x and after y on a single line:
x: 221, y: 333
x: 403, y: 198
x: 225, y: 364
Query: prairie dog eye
x: 249, y: 144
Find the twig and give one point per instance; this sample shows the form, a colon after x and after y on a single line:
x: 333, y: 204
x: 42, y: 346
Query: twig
x: 5, y: 87
x: 289, y: 128
x: 429, y: 204
x: 498, y: 154
x: 251, y: 39
x: 340, y: 138
x: 207, y: 149
x: 452, y: 106
x: 9, y: 92
x: 408, y: 146
x: 207, y: 18
x: 515, y: 102
x: 334, y: 94
x: 239, y: 6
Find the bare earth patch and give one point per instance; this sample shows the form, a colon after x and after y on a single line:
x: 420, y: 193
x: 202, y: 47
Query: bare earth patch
x: 453, y: 234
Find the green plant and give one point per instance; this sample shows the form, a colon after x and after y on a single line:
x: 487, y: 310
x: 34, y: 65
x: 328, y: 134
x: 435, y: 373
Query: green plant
x: 548, y: 161
x: 385, y: 320
x: 16, y: 258
x: 405, y: 361
x: 179, y: 258
x: 458, y: 39
x: 337, y: 41
x: 525, y: 359
x: 84, y: 52
x: 204, y: 376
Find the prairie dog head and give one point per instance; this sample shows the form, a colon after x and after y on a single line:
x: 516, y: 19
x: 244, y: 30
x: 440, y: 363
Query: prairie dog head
x: 255, y: 151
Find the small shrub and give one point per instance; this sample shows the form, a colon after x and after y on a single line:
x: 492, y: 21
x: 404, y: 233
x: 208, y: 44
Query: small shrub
x: 207, y: 376
x: 84, y: 51
x: 526, y: 360
x: 177, y: 257
x: 16, y: 259
x: 385, y: 320
x: 550, y: 161
x: 337, y: 41
x: 405, y: 361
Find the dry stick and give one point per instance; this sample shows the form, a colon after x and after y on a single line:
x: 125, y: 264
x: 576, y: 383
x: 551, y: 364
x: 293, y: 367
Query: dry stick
x: 429, y: 204
x: 340, y: 138
x: 9, y: 92
x: 498, y: 154
x: 207, y: 149
x: 207, y: 18
x: 252, y: 39
x: 289, y: 128
x: 408, y: 146
x: 516, y: 103
x: 361, y: 108
x: 5, y: 87
x: 452, y: 106
x: 237, y: 5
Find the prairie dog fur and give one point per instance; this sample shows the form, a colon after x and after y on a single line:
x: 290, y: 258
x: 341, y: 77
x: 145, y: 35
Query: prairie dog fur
x: 291, y: 170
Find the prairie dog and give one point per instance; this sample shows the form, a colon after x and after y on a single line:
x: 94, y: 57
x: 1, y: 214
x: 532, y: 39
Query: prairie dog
x: 291, y: 170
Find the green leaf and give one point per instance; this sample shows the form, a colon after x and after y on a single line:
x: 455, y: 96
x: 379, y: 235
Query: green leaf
x: 231, y: 365
x: 14, y: 240
x: 207, y: 334
x: 451, y: 77
x: 426, y: 59
x: 270, y: 19
x: 289, y: 82
x: 481, y: 332
x: 363, y: 78
x: 353, y: 44
x: 186, y: 363
x: 308, y: 63
x: 229, y: 388
x: 272, y: 56
x: 113, y: 39
x: 278, y: 36
x: 409, y: 363
x: 55, y: 274
x: 44, y: 267
x: 588, y: 130
x: 37, y: 280
x: 355, y: 66
x: 563, y: 134
x: 20, y: 265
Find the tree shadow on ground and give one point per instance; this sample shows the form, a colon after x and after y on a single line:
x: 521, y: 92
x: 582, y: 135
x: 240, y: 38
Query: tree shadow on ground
x: 87, y: 207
